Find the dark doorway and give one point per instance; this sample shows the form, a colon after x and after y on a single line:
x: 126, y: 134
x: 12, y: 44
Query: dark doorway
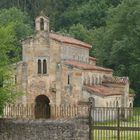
x: 42, y: 107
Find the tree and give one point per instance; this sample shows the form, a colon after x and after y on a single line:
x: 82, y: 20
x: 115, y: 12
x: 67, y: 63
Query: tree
x: 117, y: 44
x: 7, y: 41
x: 20, y: 23
x: 13, y: 26
x: 82, y: 33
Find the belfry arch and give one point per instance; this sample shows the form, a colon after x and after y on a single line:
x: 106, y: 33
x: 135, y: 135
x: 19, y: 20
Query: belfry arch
x: 42, y: 107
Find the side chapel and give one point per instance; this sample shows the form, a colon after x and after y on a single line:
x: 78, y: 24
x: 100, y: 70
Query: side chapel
x: 57, y: 70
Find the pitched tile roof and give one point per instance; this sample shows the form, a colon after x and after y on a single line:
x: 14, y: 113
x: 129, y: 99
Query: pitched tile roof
x: 92, y: 58
x: 86, y: 66
x: 115, y: 79
x: 69, y: 40
x: 102, y: 90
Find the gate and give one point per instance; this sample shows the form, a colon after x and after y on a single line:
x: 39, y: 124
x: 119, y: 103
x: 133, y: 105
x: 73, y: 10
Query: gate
x: 114, y: 123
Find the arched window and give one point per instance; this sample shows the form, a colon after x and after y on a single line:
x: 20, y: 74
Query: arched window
x: 44, y: 66
x: 130, y: 105
x: 68, y: 79
x: 41, y: 24
x: 117, y: 104
x: 39, y: 66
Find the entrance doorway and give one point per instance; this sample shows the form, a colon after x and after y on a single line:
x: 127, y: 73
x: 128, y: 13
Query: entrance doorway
x: 42, y: 107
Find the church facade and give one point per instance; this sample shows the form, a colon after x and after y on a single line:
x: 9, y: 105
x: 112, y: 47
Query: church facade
x: 58, y: 70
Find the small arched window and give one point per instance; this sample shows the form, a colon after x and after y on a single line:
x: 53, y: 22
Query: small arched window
x: 39, y: 66
x: 130, y: 105
x: 44, y: 66
x: 117, y: 104
x: 68, y: 79
x: 41, y: 24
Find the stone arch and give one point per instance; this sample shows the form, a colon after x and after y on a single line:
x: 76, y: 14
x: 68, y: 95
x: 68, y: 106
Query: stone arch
x: 130, y: 105
x: 42, y: 107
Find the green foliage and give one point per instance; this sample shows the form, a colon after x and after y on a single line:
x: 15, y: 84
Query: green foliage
x: 117, y: 44
x: 21, y: 22
x: 82, y: 33
x: 89, y: 14
x: 7, y: 42
x: 14, y: 25
x: 131, y: 91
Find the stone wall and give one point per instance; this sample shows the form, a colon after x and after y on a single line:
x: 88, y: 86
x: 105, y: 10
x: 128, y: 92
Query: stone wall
x: 44, y: 129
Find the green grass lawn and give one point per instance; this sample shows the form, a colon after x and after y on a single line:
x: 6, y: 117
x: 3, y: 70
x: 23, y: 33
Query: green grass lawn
x: 133, y: 121
x: 112, y: 135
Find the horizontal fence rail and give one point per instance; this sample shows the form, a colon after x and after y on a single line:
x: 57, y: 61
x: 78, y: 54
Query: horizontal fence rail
x: 41, y: 111
x: 115, y: 123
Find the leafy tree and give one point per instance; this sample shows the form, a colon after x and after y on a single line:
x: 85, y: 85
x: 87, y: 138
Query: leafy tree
x: 82, y: 33
x: 117, y: 44
x: 20, y: 23
x: 7, y: 42
x: 14, y: 26
x: 65, y: 13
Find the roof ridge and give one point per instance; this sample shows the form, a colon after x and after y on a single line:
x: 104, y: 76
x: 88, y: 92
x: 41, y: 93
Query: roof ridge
x: 69, y: 40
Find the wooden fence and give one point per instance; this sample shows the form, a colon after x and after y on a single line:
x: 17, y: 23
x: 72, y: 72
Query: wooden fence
x: 39, y: 111
x: 108, y: 123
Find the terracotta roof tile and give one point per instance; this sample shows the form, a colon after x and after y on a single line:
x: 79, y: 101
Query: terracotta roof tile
x: 115, y: 79
x: 69, y: 40
x: 102, y: 90
x: 92, y: 58
x: 86, y: 66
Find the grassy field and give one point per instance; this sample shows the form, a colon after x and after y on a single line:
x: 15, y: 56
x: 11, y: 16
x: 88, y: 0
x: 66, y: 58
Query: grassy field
x: 133, y: 121
x: 112, y: 135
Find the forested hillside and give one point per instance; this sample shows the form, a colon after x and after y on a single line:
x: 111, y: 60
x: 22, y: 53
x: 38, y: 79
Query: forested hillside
x: 111, y: 26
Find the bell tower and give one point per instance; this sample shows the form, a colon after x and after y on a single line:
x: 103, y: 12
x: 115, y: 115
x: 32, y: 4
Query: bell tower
x: 42, y: 23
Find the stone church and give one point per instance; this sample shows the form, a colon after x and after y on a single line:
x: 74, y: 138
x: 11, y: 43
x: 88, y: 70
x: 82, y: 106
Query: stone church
x: 57, y: 70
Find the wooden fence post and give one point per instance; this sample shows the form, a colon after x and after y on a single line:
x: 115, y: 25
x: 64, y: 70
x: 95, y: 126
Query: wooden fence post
x: 118, y: 124
x: 91, y: 105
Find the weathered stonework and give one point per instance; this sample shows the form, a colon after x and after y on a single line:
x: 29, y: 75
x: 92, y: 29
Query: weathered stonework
x: 44, y: 129
x: 72, y: 75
